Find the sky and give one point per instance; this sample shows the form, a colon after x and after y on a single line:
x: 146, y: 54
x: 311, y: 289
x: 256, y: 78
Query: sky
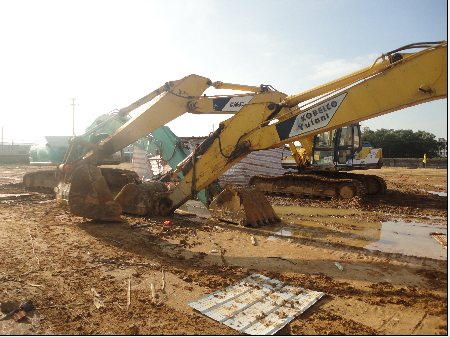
x: 108, y: 54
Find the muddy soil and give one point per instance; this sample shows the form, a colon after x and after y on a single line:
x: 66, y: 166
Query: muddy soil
x: 388, y: 286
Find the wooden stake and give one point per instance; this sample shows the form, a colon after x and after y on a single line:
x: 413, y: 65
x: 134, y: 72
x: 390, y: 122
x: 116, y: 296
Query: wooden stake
x: 153, y: 290
x: 163, y: 290
x: 129, y: 294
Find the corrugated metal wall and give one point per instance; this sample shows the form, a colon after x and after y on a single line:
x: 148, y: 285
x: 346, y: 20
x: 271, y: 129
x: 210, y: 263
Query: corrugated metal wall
x: 267, y: 162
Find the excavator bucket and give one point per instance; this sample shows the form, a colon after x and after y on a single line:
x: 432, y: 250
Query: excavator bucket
x: 146, y: 198
x: 89, y: 191
x: 103, y: 194
x: 244, y: 206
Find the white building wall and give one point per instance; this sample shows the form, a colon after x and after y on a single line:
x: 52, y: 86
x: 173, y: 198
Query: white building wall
x: 443, y: 151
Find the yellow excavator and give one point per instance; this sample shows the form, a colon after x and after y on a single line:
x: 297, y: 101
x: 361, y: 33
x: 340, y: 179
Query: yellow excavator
x: 268, y: 119
x: 323, y: 163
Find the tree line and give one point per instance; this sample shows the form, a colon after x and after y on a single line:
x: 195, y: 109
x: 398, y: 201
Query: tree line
x: 403, y: 143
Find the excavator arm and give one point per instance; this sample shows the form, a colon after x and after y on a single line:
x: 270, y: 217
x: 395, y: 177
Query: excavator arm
x: 165, y: 104
x: 413, y: 79
x: 394, y: 83
x: 84, y: 188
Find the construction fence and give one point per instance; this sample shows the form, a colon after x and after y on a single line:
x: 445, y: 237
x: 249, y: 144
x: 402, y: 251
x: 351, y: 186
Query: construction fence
x: 415, y: 163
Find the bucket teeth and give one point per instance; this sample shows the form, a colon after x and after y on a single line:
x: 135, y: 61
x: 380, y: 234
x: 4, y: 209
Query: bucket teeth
x: 243, y: 206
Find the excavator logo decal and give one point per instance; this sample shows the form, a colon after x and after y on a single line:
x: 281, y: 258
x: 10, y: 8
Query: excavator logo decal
x: 310, y: 120
x: 232, y: 104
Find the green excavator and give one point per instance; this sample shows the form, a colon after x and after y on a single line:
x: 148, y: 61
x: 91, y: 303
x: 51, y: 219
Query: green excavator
x: 162, y: 142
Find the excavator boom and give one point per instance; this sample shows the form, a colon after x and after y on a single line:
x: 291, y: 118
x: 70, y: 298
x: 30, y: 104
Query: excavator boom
x: 394, y: 86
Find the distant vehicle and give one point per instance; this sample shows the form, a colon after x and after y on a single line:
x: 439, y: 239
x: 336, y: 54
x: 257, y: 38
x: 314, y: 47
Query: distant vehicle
x: 320, y: 163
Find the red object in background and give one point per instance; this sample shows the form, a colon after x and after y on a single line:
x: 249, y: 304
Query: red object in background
x: 166, y: 223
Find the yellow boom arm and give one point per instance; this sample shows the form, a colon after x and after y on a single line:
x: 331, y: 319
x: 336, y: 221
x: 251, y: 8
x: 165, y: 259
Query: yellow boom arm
x: 392, y: 84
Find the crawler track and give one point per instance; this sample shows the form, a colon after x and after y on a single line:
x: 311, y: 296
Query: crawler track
x: 45, y: 181
x: 310, y: 185
x: 373, y: 184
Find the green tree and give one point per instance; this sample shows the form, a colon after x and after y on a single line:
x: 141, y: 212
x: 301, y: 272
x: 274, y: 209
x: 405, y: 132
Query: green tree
x: 402, y: 143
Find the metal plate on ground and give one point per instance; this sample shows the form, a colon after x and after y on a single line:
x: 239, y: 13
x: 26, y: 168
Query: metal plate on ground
x: 441, y: 238
x: 257, y: 305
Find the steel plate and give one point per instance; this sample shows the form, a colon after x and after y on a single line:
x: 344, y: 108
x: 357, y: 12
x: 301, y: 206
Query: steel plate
x: 257, y: 305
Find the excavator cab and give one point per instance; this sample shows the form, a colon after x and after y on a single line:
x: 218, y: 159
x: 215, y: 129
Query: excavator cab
x: 323, y: 149
x: 347, y: 144
x: 340, y: 149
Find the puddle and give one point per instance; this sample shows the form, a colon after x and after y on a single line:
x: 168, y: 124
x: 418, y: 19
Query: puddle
x: 441, y: 194
x: 346, y: 227
x: 313, y: 211
x: 327, y: 224
x: 410, y: 239
x: 5, y: 195
x: 196, y: 207
x: 198, y: 219
x: 284, y: 232
x: 436, y: 218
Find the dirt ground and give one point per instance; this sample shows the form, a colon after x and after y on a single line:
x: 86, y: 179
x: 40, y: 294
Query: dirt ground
x: 58, y: 261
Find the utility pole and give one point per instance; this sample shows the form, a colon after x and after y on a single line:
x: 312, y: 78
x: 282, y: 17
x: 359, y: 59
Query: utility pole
x: 73, y: 114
